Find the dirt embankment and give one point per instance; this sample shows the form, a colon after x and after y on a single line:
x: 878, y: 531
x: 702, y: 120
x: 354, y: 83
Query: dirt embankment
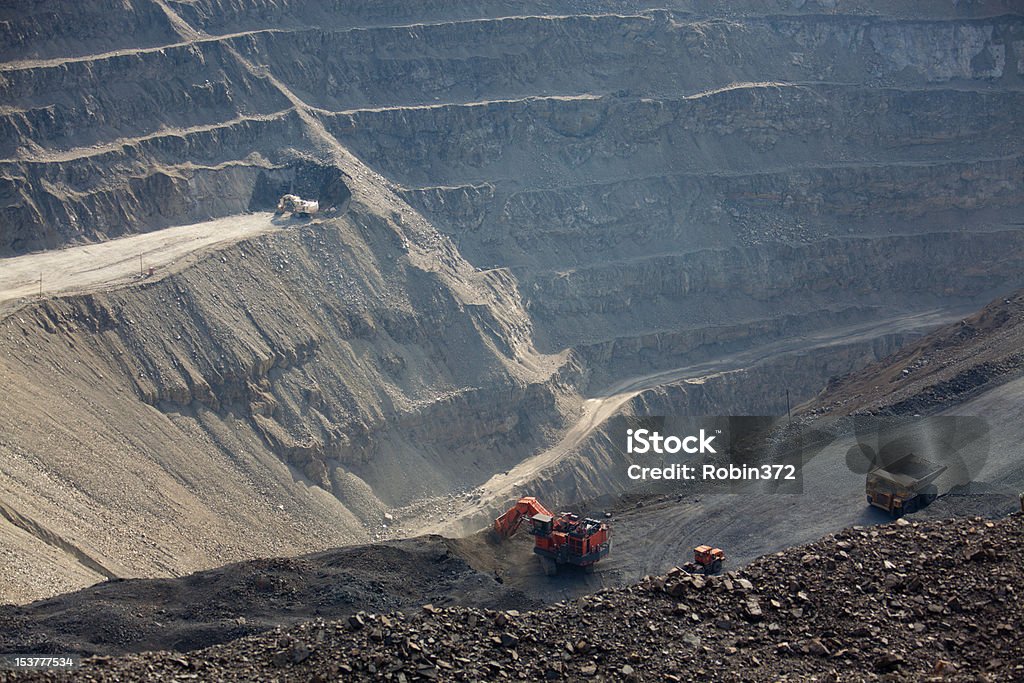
x: 910, y: 600
x: 237, y: 600
x: 946, y: 368
x: 198, y: 419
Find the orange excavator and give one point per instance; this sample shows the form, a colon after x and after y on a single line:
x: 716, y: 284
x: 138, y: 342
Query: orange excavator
x: 558, y: 539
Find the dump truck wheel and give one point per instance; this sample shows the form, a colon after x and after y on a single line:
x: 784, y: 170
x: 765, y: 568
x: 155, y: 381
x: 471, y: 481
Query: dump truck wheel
x: 716, y: 566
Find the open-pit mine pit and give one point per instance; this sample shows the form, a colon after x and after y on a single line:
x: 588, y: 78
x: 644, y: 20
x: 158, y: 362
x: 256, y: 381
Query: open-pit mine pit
x: 536, y: 220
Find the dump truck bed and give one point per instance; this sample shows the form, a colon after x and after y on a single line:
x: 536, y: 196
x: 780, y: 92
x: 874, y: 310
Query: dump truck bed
x: 910, y: 472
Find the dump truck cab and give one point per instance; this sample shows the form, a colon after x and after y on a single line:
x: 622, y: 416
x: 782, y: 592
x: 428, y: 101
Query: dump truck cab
x: 885, y: 494
x: 708, y: 558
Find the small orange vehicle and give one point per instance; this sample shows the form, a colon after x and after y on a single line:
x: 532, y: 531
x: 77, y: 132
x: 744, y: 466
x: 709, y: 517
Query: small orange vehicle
x: 707, y: 559
x: 558, y: 539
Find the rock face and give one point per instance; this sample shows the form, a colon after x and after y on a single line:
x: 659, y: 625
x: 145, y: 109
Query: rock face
x: 524, y: 203
x: 914, y: 600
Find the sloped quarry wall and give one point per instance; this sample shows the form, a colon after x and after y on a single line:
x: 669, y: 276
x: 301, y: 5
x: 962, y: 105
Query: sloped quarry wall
x: 782, y: 167
x: 595, y: 473
x: 627, y: 189
x: 279, y: 396
x: 35, y: 30
x: 325, y: 345
x: 133, y: 141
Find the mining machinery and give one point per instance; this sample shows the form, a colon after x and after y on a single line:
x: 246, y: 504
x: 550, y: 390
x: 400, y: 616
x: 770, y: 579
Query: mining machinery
x: 562, y: 539
x: 299, y: 207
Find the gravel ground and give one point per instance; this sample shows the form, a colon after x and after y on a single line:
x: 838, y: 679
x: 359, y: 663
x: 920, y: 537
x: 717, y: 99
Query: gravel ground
x: 246, y: 598
x: 929, y: 600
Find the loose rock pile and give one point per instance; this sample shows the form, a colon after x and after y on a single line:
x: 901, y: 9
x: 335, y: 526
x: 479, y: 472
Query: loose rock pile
x: 934, y: 600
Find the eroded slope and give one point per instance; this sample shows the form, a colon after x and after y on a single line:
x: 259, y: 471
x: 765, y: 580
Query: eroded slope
x: 550, y: 200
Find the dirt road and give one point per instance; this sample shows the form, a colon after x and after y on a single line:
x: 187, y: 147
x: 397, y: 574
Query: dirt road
x: 502, y: 487
x: 121, y: 261
x: 651, y: 537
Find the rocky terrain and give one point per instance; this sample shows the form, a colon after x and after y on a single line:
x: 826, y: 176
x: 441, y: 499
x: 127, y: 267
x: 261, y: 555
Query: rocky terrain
x: 542, y: 219
x: 963, y: 360
x: 931, y: 600
x: 539, y: 216
x: 227, y: 603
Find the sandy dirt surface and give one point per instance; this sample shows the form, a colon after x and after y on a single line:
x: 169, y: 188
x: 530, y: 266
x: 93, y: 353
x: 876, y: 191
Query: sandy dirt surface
x: 117, y: 262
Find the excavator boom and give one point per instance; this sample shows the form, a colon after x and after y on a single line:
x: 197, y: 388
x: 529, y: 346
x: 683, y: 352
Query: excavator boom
x: 525, y: 507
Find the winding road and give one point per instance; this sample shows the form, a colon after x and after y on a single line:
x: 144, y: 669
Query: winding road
x: 493, y: 495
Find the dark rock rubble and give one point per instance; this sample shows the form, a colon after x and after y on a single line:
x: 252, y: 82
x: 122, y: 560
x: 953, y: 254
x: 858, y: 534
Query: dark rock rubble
x: 926, y: 600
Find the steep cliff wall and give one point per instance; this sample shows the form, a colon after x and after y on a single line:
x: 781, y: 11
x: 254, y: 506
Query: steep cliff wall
x: 525, y: 202
x: 278, y: 396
